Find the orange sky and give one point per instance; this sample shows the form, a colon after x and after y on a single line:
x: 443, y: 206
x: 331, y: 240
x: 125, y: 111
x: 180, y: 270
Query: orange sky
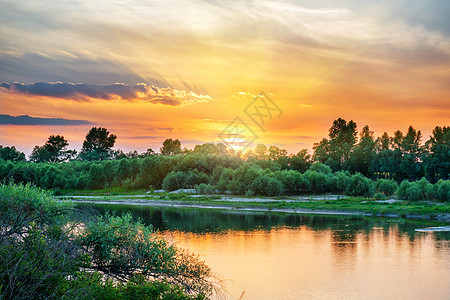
x: 386, y: 65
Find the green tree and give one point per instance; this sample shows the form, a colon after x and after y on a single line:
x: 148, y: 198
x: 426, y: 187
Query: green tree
x: 210, y: 148
x: 121, y: 247
x: 383, y: 142
x: 276, y: 153
x: 48, y: 252
x: 436, y: 158
x: 262, y: 152
x: 171, y: 147
x: 299, y: 162
x: 336, y: 151
x: 359, y: 186
x: 385, y: 186
x: 97, y: 144
x: 361, y: 157
x: 411, y: 166
x: 54, y: 150
x: 11, y: 153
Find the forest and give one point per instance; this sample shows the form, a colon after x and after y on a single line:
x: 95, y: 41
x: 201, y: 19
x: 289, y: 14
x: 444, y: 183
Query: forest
x: 347, y: 162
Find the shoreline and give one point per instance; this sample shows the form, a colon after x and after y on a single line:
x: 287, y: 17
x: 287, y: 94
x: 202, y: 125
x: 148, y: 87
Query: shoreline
x: 243, y: 206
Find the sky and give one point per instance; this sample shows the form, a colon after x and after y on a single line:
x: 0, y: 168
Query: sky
x: 151, y: 70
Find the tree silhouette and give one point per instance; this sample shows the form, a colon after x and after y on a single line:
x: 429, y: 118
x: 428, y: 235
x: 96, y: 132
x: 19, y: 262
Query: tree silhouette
x: 54, y: 150
x: 171, y: 147
x: 98, y: 144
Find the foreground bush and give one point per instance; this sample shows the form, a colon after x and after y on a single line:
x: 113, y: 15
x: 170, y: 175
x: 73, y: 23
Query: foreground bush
x: 47, y: 253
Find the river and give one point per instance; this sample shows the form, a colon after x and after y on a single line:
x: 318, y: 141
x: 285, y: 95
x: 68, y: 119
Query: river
x: 294, y: 256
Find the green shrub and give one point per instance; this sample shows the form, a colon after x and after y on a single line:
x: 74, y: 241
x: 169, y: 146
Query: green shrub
x: 359, y: 186
x: 320, y: 167
x: 385, y: 186
x: 293, y: 182
x: 266, y: 186
x: 125, y: 247
x: 443, y: 190
x: 97, y: 178
x: 204, y: 188
x: 47, y: 254
x: 413, y: 193
x: 319, y: 182
x: 379, y: 196
x: 402, y: 190
x: 225, y: 177
x: 340, y: 181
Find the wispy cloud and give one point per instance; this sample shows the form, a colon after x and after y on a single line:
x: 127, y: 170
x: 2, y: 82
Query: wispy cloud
x: 116, y: 91
x: 28, y: 120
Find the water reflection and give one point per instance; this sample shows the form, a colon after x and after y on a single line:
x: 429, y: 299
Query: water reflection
x: 196, y: 220
x: 288, y: 256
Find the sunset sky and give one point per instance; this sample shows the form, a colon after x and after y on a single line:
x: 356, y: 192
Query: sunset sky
x: 151, y: 70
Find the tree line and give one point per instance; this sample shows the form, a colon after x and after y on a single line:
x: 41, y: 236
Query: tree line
x: 338, y: 163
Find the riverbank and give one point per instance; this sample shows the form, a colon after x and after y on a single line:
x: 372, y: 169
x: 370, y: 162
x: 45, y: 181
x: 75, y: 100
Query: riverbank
x: 322, y: 204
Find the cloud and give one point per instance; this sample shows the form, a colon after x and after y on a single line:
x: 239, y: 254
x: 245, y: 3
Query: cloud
x: 28, y: 120
x: 115, y: 91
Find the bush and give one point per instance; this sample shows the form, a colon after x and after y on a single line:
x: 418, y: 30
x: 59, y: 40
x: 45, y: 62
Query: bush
x: 266, y: 186
x: 413, y: 193
x: 340, y: 181
x: 443, y: 190
x: 385, y: 186
x: 359, y: 186
x: 379, y: 196
x: 35, y: 255
x: 97, y: 177
x: 319, y: 182
x: 174, y: 180
x: 402, y: 190
x: 320, y: 167
x: 225, y: 177
x: 47, y: 254
x: 204, y: 188
x: 243, y: 178
x: 293, y: 182
x: 125, y: 247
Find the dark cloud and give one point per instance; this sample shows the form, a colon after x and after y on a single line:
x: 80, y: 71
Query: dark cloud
x: 121, y: 91
x: 33, y: 67
x: 28, y: 120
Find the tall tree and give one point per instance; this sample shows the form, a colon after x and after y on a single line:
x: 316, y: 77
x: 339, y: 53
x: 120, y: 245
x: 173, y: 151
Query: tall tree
x: 383, y: 142
x: 98, y: 144
x: 336, y: 151
x: 411, y: 166
x: 171, y: 147
x: 275, y: 153
x: 436, y: 158
x: 360, y: 159
x: 300, y: 161
x: 261, y: 151
x: 54, y: 150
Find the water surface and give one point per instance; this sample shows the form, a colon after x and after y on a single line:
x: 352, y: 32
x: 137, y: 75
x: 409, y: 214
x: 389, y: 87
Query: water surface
x: 293, y: 256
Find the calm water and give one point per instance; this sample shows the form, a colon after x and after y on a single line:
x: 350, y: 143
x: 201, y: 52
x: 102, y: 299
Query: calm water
x: 288, y: 256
